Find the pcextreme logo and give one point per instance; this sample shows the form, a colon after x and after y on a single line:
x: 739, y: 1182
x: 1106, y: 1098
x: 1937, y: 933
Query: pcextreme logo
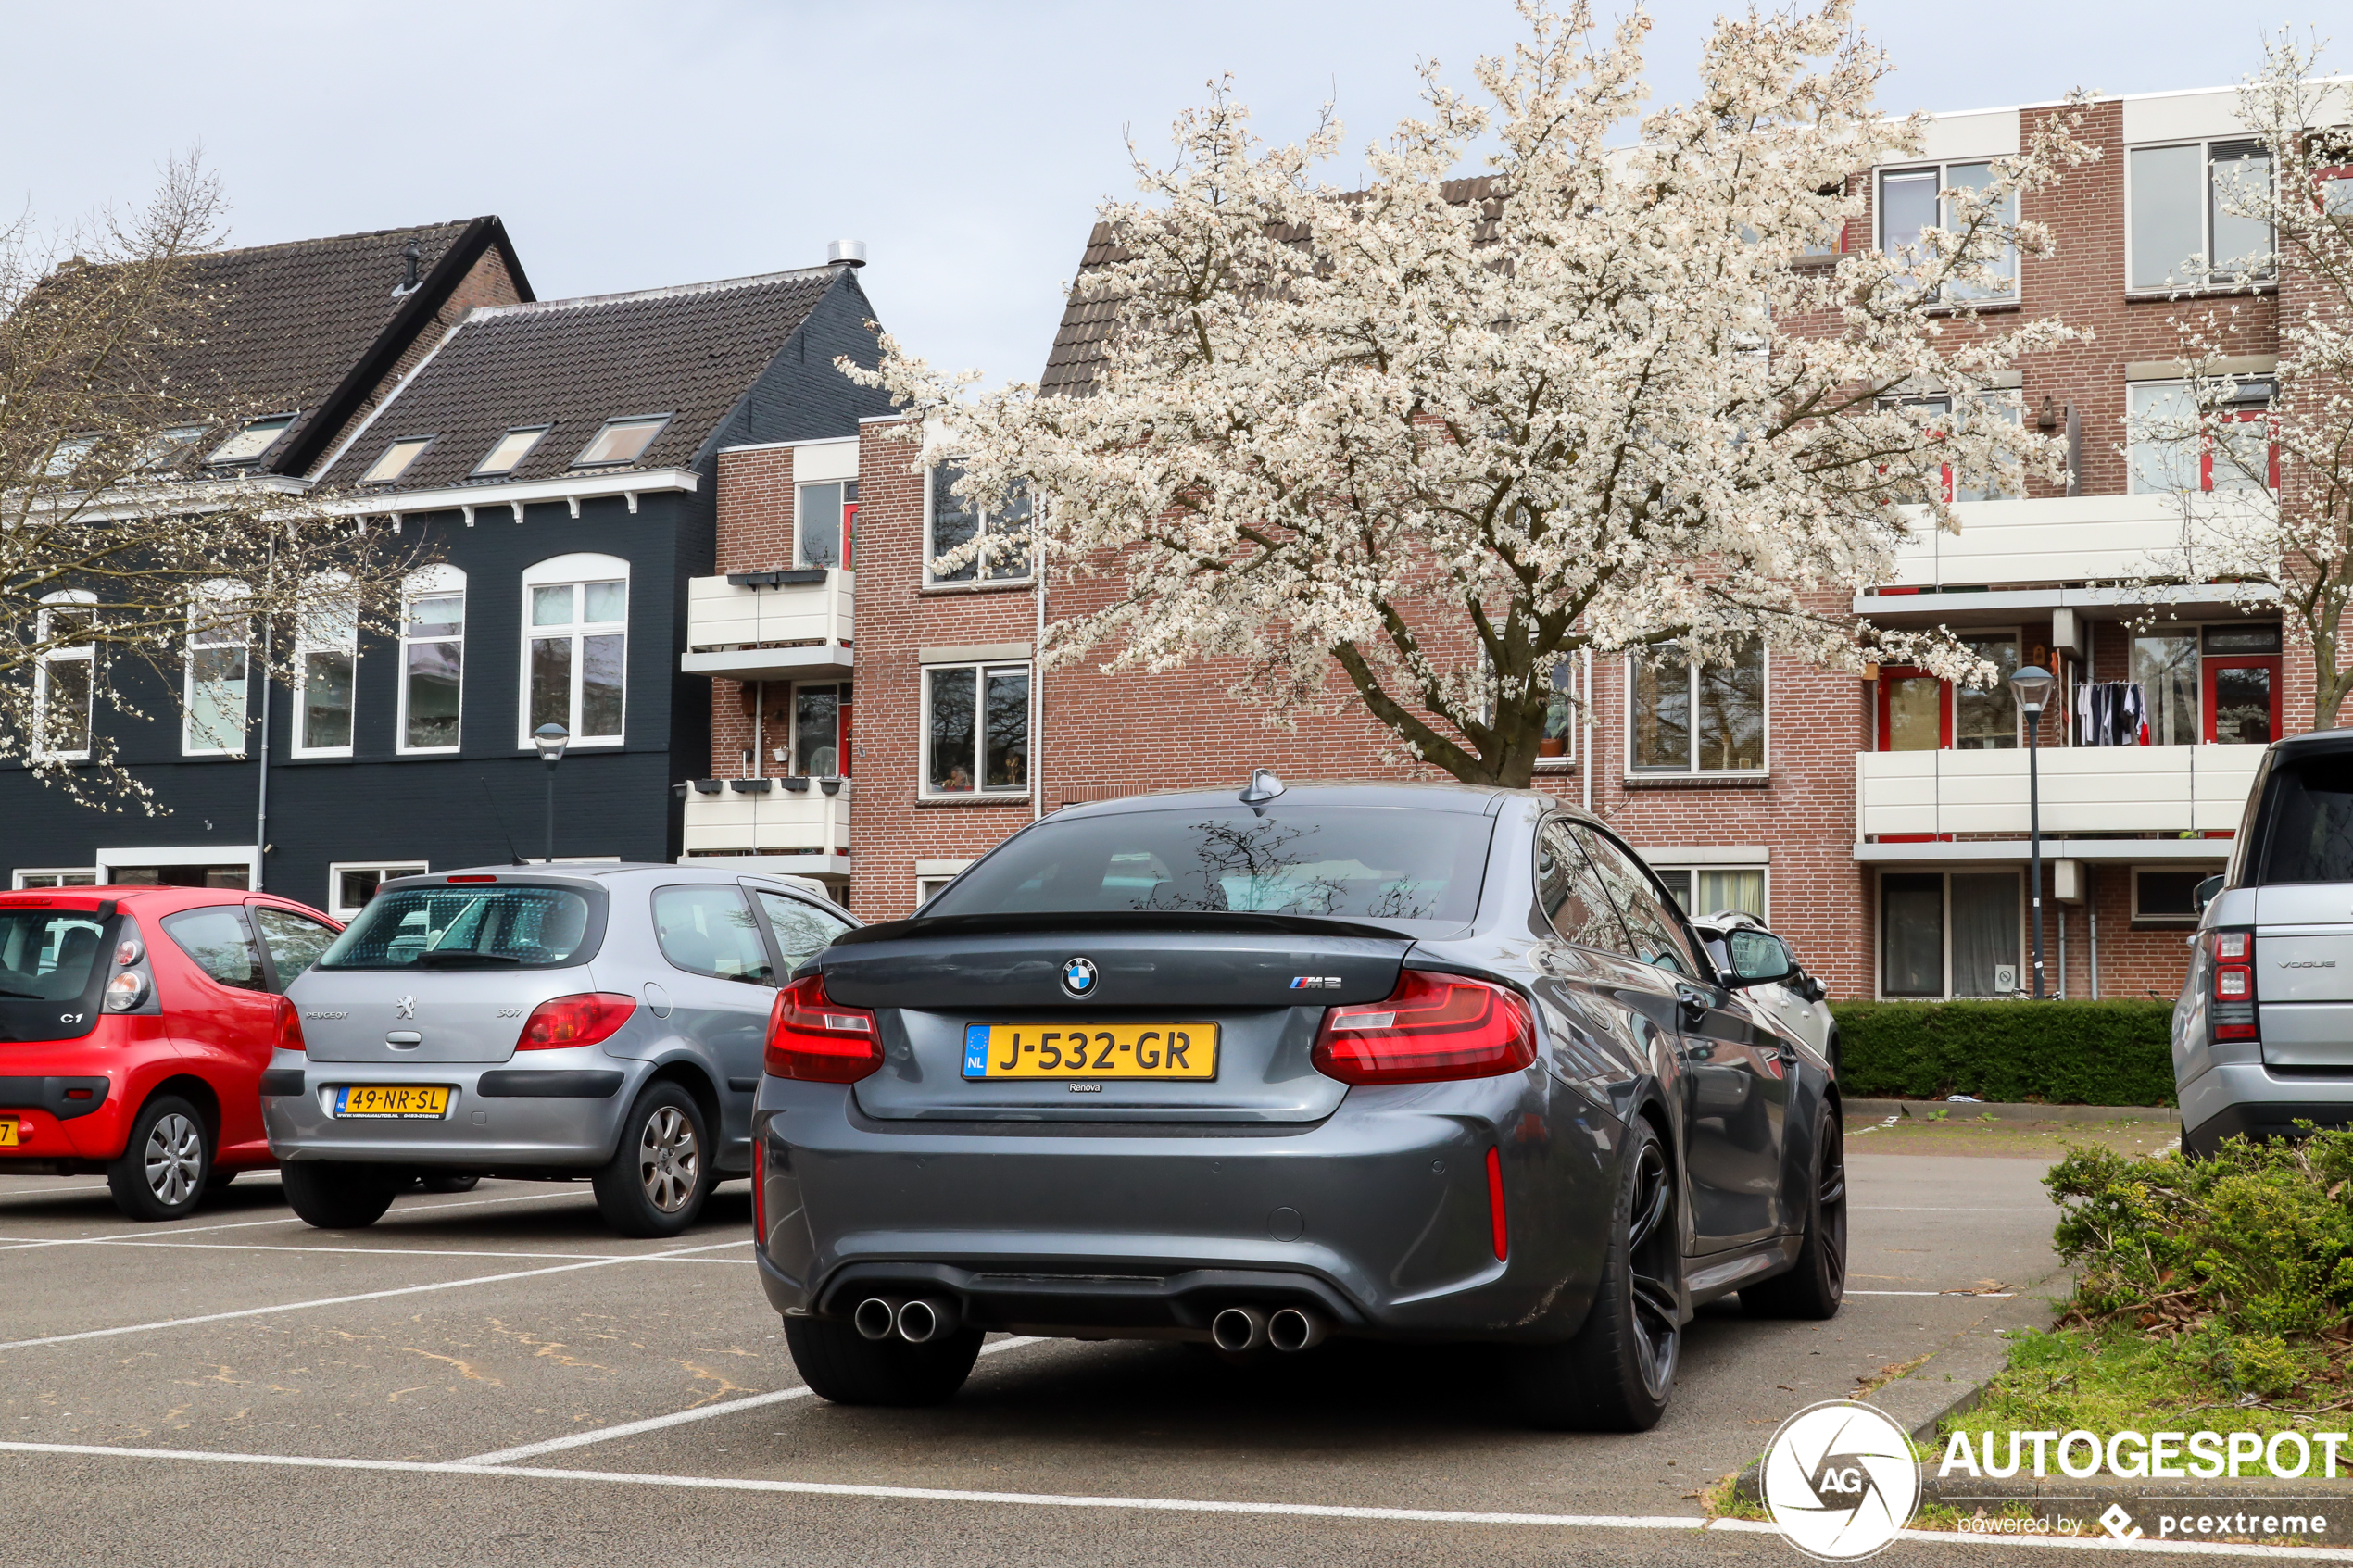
x: 1840, y: 1480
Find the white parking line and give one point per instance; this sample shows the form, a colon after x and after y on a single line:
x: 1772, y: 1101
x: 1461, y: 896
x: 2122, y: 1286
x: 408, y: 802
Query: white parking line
x: 1931, y: 1209
x: 2064, y: 1543
x: 363, y: 1295
x: 297, y: 1219
x: 679, y: 1418
x: 1980, y: 1295
x: 363, y: 1252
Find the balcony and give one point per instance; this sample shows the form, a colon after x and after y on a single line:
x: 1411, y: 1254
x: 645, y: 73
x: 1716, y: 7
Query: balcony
x: 771, y: 625
x: 803, y: 831
x: 2168, y: 790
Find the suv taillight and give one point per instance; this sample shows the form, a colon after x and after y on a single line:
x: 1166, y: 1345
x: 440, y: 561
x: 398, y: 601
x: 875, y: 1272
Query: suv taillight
x: 1432, y: 1027
x: 818, y: 1040
x: 290, y: 1028
x: 2231, y: 1000
x: 580, y: 1019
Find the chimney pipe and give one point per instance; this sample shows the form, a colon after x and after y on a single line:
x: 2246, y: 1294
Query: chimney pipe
x: 846, y: 253
x: 408, y: 268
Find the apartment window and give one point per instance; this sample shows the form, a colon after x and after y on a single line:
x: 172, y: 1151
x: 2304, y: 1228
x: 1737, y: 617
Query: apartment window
x: 820, y: 741
x: 1711, y: 890
x: 213, y: 693
x: 396, y: 459
x: 932, y: 878
x: 2189, y: 227
x: 61, y: 688
x: 1557, y: 746
x: 2219, y: 685
x: 575, y: 648
x: 822, y: 527
x: 1912, y: 202
x: 327, y: 658
x: 250, y: 443
x: 2165, y: 668
x: 2171, y: 451
x: 1689, y: 718
x: 2167, y: 895
x: 1945, y: 480
x: 57, y: 876
x: 952, y: 523
x: 507, y: 452
x: 621, y: 441
x: 433, y: 659
x: 976, y: 729
x: 351, y: 883
x: 1949, y: 934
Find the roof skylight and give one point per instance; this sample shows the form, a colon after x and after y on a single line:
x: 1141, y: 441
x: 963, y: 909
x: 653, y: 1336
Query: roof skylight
x: 168, y: 446
x: 511, y: 450
x: 396, y: 460
x: 622, y: 441
x: 256, y: 438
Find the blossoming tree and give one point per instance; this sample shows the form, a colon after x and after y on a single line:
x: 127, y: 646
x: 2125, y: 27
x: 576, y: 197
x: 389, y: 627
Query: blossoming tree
x: 1435, y: 436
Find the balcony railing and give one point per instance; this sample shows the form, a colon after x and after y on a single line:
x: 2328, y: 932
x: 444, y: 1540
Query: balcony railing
x: 2090, y: 789
x: 809, y: 825
x: 771, y: 625
x: 2081, y: 539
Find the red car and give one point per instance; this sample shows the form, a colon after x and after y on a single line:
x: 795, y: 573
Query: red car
x: 135, y: 1023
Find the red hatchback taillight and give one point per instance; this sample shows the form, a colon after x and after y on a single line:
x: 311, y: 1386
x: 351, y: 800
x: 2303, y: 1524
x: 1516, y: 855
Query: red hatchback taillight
x: 290, y: 1028
x: 1433, y: 1027
x: 818, y: 1040
x: 581, y: 1020
x: 2230, y: 1007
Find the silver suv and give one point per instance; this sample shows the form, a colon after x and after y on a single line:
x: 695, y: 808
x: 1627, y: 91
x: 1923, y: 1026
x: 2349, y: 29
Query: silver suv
x: 544, y: 1022
x: 2263, y: 1032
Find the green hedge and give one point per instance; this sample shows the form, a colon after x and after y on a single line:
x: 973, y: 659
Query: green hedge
x: 2059, y: 1053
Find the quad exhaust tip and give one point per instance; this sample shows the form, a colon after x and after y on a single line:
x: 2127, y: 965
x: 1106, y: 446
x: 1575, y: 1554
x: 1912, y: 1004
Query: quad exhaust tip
x: 878, y: 1316
x: 1295, y: 1328
x: 917, y: 1319
x: 1237, y: 1329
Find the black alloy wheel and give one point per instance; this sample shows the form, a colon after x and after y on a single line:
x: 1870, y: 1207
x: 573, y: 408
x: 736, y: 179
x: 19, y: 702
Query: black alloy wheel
x: 164, y: 1164
x: 1618, y: 1374
x: 336, y: 1197
x: 1815, y: 1284
x: 846, y: 1368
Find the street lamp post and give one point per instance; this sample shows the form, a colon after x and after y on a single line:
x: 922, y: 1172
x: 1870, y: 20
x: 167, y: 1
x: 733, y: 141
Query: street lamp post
x: 552, y: 738
x: 2034, y: 686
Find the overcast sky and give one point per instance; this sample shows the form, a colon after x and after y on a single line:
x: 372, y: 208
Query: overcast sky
x: 634, y: 145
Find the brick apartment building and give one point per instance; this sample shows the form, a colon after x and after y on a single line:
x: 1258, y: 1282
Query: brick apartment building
x: 1881, y: 822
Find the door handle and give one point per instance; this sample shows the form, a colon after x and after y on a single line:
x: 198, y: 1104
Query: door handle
x: 1693, y: 1005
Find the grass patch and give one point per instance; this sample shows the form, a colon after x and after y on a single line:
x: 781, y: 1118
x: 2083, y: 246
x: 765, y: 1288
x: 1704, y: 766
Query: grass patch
x: 2114, y: 1377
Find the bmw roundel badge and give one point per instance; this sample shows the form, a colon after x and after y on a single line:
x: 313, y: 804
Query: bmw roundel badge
x: 1078, y: 977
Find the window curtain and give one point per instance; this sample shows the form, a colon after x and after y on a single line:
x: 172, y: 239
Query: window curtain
x: 1984, y: 933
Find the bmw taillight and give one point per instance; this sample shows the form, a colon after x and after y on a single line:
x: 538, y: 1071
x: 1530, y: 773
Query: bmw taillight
x: 582, y: 1019
x: 818, y: 1040
x: 290, y: 1028
x: 2231, y: 1000
x: 1432, y: 1027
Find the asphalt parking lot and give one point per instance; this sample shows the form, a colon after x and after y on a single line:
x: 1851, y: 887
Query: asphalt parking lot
x: 494, y: 1379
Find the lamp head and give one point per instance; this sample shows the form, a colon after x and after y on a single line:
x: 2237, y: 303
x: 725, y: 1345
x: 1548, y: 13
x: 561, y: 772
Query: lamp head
x: 551, y: 739
x: 2032, y: 684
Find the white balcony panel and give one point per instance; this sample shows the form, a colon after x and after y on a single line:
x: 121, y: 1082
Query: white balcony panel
x: 746, y: 628
x: 809, y: 825
x: 2097, y: 789
x: 2063, y: 539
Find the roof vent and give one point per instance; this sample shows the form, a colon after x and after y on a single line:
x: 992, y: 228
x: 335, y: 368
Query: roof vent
x: 409, y: 258
x: 846, y: 253
x: 1262, y: 786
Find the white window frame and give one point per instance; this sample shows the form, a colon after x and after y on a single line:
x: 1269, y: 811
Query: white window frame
x: 932, y: 877
x: 219, y: 588
x: 575, y: 570
x: 2205, y: 146
x: 659, y: 422
x: 1944, y: 875
x: 979, y: 580
x: 422, y: 444
x: 332, y: 903
x: 1693, y: 868
x: 281, y: 424
x: 1576, y: 707
x: 17, y: 884
x: 1944, y: 183
x: 982, y: 669
x: 432, y: 582
x: 79, y: 653
x: 537, y: 433
x: 335, y: 585
x: 1692, y: 668
x: 2183, y: 923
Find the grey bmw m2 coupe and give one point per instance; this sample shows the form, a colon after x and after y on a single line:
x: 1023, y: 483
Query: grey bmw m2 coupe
x: 1257, y: 1069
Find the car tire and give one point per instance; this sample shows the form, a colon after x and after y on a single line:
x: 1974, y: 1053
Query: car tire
x: 844, y: 1367
x: 217, y: 1179
x: 335, y: 1197
x: 1618, y: 1374
x: 164, y: 1164
x: 1816, y: 1284
x: 450, y: 1184
x: 656, y: 1181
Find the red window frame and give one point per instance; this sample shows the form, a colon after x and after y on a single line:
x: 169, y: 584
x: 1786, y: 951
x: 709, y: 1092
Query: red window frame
x: 2271, y: 454
x: 2210, y: 663
x: 1888, y: 675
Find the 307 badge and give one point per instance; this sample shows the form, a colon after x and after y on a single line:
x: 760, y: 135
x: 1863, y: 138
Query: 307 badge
x: 1095, y: 1050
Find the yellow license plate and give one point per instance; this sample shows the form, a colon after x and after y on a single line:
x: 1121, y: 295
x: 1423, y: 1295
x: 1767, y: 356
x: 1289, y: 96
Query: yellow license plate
x: 1090, y: 1050
x: 7, y: 1132
x: 387, y: 1100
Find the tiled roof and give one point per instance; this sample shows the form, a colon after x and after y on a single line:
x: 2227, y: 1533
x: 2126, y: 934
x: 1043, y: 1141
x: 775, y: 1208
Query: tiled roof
x: 299, y: 318
x: 1077, y: 353
x: 572, y: 364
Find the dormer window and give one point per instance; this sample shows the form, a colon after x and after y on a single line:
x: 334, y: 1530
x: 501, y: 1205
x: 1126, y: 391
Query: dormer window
x: 397, y: 456
x: 250, y: 443
x: 511, y: 450
x: 622, y: 441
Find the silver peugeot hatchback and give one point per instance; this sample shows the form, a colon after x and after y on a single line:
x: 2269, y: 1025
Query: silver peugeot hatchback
x: 544, y: 1022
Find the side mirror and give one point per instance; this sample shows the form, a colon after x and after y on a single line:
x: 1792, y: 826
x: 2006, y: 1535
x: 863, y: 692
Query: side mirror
x: 1759, y: 958
x: 2205, y: 894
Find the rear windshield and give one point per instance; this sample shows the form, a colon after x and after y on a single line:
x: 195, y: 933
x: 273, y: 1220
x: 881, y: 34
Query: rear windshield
x: 2309, y: 836
x: 1364, y: 863
x: 505, y: 927
x: 47, y: 955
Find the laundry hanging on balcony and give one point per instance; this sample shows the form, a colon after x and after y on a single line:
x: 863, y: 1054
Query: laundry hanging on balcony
x: 2111, y: 714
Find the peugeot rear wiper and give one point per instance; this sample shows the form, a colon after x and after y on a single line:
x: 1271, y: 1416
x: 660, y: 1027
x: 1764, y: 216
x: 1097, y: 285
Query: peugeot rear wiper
x: 462, y: 955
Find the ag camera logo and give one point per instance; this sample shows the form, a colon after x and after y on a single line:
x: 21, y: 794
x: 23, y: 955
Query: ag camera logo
x: 1840, y: 1480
